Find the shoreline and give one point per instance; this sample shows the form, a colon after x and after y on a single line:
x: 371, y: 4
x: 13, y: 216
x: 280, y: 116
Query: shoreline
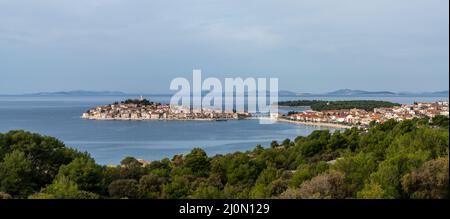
x: 319, y: 124
x: 123, y: 119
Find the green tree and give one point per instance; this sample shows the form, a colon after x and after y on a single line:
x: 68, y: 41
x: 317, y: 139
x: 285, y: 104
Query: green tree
x: 286, y: 142
x: 391, y: 171
x: 278, y: 186
x: 311, y: 148
x: 85, y: 173
x: 16, y: 175
x: 63, y: 188
x: 353, y: 138
x: 337, y: 141
x: 440, y: 121
x: 431, y: 180
x: 356, y: 170
x: 372, y: 191
x: 198, y: 162
x: 262, y: 188
x: 314, y: 144
x: 46, y: 154
x: 238, y: 191
x: 241, y: 169
x: 150, y: 186
x: 177, y: 189
x: 161, y: 168
x: 206, y: 191
x: 290, y: 193
x: 274, y: 144
x: 131, y: 168
x: 306, y: 172
x: 324, y: 186
x: 124, y: 188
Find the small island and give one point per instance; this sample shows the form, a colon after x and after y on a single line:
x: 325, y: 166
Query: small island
x: 143, y: 109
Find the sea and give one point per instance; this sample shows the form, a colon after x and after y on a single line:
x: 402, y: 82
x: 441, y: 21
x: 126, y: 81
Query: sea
x: 108, y: 142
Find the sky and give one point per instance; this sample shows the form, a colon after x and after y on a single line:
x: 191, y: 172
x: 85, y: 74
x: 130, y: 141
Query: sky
x: 141, y: 45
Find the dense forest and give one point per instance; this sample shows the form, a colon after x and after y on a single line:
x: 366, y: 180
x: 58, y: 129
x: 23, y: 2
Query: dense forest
x: 395, y: 160
x: 319, y: 105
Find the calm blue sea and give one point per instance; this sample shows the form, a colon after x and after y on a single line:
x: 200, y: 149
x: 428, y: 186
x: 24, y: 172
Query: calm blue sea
x: 110, y: 141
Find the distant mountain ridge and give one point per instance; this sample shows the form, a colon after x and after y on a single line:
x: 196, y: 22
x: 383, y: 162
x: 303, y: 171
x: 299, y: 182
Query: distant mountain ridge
x: 79, y: 93
x: 349, y: 92
x: 363, y: 93
x: 281, y: 93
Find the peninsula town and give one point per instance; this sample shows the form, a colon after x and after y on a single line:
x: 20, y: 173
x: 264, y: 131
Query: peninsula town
x: 142, y: 109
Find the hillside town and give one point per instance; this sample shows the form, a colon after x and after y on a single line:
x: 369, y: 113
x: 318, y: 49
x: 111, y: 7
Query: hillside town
x: 380, y: 115
x: 143, y: 109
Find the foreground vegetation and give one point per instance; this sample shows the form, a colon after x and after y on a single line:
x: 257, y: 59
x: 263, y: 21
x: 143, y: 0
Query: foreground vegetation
x: 319, y: 105
x: 392, y: 160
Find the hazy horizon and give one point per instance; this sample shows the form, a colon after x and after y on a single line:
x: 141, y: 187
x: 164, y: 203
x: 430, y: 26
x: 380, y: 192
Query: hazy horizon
x: 172, y: 92
x: 139, y: 46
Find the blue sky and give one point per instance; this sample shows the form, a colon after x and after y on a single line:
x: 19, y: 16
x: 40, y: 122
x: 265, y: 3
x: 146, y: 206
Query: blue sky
x: 140, y: 46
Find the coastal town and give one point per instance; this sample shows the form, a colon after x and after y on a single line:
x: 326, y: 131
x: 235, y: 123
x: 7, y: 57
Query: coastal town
x: 142, y: 109
x: 360, y: 117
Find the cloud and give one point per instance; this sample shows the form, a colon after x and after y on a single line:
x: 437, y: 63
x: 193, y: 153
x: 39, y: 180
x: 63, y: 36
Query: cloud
x: 261, y: 36
x: 307, y: 41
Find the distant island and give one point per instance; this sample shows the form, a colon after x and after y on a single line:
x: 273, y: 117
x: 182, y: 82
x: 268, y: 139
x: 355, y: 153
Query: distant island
x: 143, y: 109
x: 79, y: 93
x: 363, y: 93
x: 350, y: 92
x: 281, y: 93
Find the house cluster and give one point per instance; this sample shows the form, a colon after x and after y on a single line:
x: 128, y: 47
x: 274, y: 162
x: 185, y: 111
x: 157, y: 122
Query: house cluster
x: 157, y: 111
x: 180, y: 112
x: 380, y: 115
x: 127, y: 111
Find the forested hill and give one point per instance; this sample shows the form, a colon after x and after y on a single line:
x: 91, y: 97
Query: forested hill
x: 319, y: 105
x: 390, y: 160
